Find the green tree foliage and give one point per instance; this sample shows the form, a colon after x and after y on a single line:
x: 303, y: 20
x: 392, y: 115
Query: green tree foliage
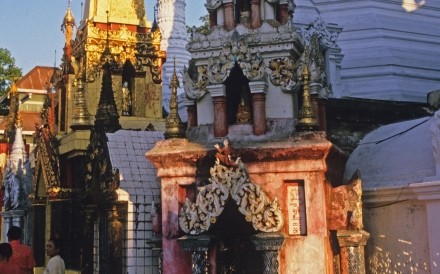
x: 203, y: 29
x: 8, y: 70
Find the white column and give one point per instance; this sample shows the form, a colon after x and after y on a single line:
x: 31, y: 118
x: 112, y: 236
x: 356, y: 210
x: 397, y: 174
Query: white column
x: 172, y: 24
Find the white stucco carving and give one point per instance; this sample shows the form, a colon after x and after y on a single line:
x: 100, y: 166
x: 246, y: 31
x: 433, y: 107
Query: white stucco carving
x: 171, y: 21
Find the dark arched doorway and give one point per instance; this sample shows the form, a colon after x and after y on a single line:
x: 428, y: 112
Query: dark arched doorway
x: 238, y: 106
x: 235, y: 251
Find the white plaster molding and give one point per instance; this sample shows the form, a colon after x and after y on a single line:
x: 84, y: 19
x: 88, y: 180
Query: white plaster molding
x: 429, y: 190
x: 188, y: 102
x: 426, y: 190
x: 258, y: 87
x: 387, y: 195
x: 217, y: 90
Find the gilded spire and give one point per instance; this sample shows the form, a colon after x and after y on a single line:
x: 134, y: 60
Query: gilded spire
x: 13, y: 109
x: 68, y: 24
x: 307, y: 115
x: 18, y: 152
x: 174, y: 127
x: 67, y: 27
x: 18, y: 121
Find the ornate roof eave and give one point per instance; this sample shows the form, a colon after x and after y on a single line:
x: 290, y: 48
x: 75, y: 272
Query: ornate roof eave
x: 47, y: 170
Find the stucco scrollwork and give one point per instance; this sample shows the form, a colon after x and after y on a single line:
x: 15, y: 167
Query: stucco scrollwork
x: 284, y: 73
x: 220, y: 68
x: 319, y: 28
x: 253, y: 66
x: 211, y: 200
x: 195, y: 81
x: 230, y: 182
x: 265, y: 215
x: 236, y: 51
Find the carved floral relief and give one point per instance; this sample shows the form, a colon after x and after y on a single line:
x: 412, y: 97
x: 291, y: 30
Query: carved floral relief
x: 230, y: 183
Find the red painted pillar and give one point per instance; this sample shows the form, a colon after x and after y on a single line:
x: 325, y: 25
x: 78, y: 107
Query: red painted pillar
x: 258, y: 91
x: 220, y: 116
x: 192, y: 115
x: 174, y: 258
x: 255, y: 14
x: 229, y: 15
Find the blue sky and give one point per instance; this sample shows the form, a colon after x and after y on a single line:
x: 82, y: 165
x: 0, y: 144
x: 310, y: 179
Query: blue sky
x: 31, y: 29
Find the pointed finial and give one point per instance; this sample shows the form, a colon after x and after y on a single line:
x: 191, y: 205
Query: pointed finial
x: 307, y: 116
x: 82, y: 19
x: 174, y: 127
x: 174, y: 80
x: 155, y: 26
x: 107, y: 24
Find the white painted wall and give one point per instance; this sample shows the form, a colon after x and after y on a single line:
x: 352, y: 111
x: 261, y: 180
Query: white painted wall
x: 399, y: 241
x: 391, y: 48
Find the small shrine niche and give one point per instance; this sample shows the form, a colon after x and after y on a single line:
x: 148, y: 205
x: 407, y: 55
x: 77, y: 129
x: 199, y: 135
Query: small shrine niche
x: 243, y: 12
x: 128, y: 76
x: 239, y: 107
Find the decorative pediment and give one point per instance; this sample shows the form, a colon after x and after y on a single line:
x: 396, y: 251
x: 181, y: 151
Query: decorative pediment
x: 236, y: 50
x: 230, y: 183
